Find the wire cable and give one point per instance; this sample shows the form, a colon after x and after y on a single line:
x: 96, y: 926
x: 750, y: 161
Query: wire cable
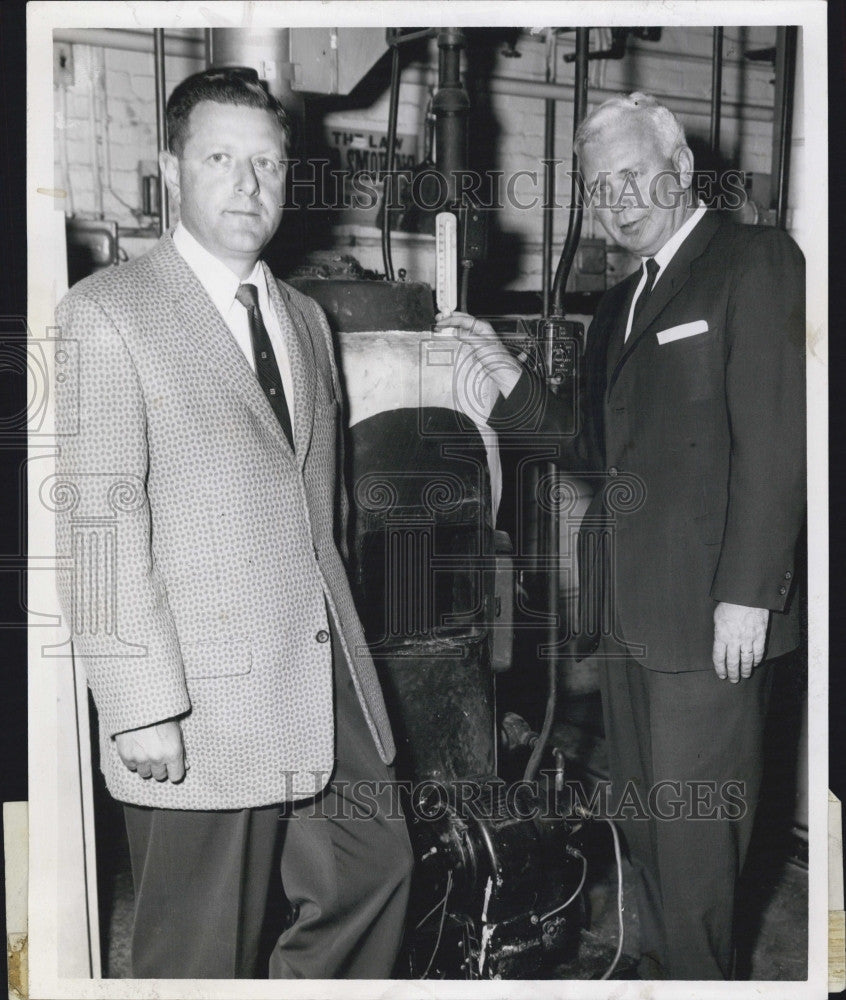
x: 388, y: 184
x: 439, y: 903
x: 564, y: 906
x: 441, y: 925
x: 619, y: 860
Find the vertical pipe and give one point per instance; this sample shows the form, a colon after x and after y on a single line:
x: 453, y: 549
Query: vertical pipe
x: 716, y: 88
x: 161, y: 123
x: 548, y: 201
x: 574, y: 227
x: 63, y: 153
x: 451, y: 107
x: 548, y: 176
x: 782, y: 121
x: 208, y: 50
x: 94, y: 82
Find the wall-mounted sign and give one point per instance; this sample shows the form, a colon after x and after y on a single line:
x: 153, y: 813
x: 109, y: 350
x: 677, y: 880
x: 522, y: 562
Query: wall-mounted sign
x: 362, y: 151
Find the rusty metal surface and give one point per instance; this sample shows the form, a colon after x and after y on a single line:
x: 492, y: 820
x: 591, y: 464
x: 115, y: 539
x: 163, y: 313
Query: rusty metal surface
x: 354, y: 305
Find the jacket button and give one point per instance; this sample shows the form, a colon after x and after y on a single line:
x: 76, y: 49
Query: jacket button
x: 788, y: 575
x: 322, y: 636
x: 613, y: 471
x: 782, y: 591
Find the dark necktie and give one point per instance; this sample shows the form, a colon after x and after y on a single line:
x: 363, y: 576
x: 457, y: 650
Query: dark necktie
x: 267, y: 370
x: 651, y: 273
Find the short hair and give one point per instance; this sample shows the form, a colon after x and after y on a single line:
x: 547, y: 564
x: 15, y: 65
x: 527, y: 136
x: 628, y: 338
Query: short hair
x: 238, y: 85
x: 666, y: 127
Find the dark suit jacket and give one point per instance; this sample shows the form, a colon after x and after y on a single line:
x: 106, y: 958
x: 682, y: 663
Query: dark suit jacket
x: 708, y: 429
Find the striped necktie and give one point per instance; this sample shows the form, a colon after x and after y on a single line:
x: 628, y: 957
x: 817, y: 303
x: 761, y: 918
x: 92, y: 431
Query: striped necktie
x: 267, y: 370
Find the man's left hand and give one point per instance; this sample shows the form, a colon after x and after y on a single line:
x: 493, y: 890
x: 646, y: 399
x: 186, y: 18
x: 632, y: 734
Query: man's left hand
x: 739, y: 637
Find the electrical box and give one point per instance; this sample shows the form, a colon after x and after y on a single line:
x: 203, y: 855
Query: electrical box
x: 333, y: 60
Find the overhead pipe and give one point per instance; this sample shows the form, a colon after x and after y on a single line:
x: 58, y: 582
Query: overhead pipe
x: 130, y: 41
x: 268, y: 52
x: 678, y: 103
x: 716, y: 89
x: 574, y: 227
x: 161, y: 122
x: 195, y: 48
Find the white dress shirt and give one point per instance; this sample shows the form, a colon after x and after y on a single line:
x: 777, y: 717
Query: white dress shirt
x: 221, y: 285
x: 663, y: 258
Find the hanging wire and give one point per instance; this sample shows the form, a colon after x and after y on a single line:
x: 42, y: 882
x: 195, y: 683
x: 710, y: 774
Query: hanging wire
x: 619, y: 860
x: 387, y: 185
x: 579, y: 888
x: 440, y: 925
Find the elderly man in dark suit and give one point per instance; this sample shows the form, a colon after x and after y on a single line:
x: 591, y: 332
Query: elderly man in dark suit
x: 695, y: 385
x: 232, y: 681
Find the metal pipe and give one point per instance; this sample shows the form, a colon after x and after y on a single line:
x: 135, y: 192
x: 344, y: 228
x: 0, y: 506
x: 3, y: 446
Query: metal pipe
x: 161, y: 122
x: 63, y: 153
x: 548, y: 200
x: 548, y: 176
x: 387, y: 185
x: 268, y: 52
x: 94, y: 81
x: 574, y: 227
x: 131, y: 41
x: 207, y: 47
x: 716, y: 88
x: 500, y: 85
x: 451, y: 107
x: 194, y: 48
x: 785, y: 71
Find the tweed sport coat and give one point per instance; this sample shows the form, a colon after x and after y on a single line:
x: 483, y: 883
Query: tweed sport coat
x: 214, y: 548
x: 697, y: 423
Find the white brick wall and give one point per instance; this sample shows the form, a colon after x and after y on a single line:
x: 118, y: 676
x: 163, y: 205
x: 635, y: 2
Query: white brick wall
x: 680, y: 64
x: 123, y: 85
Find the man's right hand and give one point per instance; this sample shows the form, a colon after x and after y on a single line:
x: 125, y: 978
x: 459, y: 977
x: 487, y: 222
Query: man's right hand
x: 154, y: 751
x: 490, y: 352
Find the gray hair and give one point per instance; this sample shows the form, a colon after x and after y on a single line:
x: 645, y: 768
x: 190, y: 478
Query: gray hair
x: 666, y: 127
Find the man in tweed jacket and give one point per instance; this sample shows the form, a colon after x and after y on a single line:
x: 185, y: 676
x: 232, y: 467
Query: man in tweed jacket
x: 233, y: 684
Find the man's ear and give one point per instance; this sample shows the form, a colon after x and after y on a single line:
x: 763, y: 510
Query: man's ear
x: 683, y: 163
x: 169, y: 166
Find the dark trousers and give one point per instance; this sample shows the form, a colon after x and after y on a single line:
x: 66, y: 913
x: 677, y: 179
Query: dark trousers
x: 201, y: 878
x: 705, y: 734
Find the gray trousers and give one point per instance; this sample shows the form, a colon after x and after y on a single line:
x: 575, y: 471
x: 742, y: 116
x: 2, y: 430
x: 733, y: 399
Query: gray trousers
x: 201, y: 878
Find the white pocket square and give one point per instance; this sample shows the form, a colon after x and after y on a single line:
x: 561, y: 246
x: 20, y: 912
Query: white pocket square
x: 683, y: 330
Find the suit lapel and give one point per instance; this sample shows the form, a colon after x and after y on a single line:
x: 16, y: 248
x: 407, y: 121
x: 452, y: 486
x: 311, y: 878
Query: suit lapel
x: 669, y: 284
x: 617, y: 327
x: 301, y: 357
x: 210, y: 340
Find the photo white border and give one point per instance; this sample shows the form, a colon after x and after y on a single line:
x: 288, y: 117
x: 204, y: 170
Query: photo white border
x: 42, y: 18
